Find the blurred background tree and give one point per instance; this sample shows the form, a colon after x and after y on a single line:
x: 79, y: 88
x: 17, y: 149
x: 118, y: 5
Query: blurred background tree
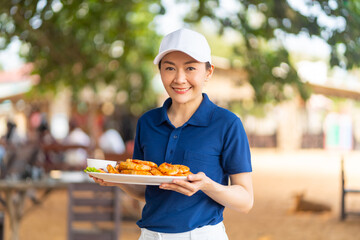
x: 78, y: 44
x: 264, y: 27
x: 81, y: 43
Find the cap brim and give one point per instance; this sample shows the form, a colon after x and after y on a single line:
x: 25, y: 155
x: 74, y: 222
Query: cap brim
x: 158, y: 58
x: 162, y: 54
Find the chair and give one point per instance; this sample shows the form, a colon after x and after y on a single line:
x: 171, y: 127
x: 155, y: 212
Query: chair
x: 2, y: 225
x: 93, y: 212
x: 344, y: 192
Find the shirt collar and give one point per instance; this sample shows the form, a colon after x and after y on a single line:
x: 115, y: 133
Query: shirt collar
x: 201, y: 117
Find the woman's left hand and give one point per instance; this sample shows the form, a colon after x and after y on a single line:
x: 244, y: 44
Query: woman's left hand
x: 194, y: 183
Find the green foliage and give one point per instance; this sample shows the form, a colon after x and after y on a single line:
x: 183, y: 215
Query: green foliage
x: 246, y: 108
x: 264, y: 24
x: 81, y: 43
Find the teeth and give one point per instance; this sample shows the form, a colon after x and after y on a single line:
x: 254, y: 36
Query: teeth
x: 181, y: 90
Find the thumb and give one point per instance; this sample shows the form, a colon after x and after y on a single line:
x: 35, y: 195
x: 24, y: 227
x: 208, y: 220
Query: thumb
x: 196, y: 177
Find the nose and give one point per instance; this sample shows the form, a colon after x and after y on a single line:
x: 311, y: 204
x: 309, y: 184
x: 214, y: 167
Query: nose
x: 180, y: 77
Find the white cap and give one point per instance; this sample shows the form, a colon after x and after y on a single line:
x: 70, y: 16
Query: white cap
x: 187, y: 41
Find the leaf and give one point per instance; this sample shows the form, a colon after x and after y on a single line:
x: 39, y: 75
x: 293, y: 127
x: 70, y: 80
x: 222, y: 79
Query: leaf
x: 91, y: 169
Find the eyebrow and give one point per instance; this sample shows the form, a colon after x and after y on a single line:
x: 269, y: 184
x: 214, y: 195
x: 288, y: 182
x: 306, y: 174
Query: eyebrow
x: 168, y: 62
x: 189, y: 62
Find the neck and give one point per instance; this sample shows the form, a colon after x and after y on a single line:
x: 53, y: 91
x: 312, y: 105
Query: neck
x: 180, y: 113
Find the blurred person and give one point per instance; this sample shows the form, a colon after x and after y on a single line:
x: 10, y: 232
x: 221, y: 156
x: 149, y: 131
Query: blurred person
x: 191, y: 130
x: 12, y: 136
x: 77, y: 137
x: 9, y: 145
x: 44, y: 134
x: 2, y: 155
x: 51, y: 149
x: 21, y: 157
x: 111, y: 141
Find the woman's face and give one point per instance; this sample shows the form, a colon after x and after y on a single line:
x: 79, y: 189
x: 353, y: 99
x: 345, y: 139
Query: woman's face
x: 184, y: 77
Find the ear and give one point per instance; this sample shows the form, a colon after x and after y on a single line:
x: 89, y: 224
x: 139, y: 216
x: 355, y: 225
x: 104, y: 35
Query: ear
x: 209, y: 73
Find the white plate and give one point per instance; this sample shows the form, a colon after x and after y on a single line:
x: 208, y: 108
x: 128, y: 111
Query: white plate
x: 134, y: 179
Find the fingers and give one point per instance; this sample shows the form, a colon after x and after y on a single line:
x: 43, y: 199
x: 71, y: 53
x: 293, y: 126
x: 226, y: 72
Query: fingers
x: 196, y: 177
x: 100, y: 181
x: 182, y: 188
x: 195, y: 183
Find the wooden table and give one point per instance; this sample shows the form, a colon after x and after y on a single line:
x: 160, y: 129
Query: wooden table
x: 13, y: 195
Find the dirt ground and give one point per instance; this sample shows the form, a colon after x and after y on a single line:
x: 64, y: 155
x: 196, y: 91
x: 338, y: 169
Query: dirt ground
x: 277, y: 177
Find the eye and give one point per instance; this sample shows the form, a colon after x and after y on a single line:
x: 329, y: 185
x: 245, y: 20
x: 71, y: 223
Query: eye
x: 169, y: 68
x: 191, y: 68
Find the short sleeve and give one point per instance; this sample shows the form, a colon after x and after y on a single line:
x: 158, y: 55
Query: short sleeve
x: 236, y: 157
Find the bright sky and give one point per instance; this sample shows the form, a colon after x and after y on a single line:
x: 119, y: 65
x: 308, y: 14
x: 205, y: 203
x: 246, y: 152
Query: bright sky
x: 9, y: 58
x: 171, y: 21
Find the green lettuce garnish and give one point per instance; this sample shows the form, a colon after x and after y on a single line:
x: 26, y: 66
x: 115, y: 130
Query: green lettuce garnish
x: 91, y: 169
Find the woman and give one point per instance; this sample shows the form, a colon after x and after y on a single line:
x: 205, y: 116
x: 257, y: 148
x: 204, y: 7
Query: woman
x: 190, y: 130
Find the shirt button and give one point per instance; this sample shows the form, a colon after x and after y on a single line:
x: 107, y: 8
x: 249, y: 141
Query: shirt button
x: 175, y: 136
x: 171, y: 151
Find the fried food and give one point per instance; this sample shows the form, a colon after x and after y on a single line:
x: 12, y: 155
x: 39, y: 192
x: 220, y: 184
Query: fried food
x: 183, y: 174
x: 168, y: 169
x: 140, y: 167
x: 129, y: 165
x: 151, y: 164
x: 156, y: 172
x: 135, y: 172
x: 182, y: 168
x: 173, y: 170
x: 111, y: 169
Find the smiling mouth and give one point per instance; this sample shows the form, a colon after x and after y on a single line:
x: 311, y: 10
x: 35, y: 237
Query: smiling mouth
x: 181, y: 90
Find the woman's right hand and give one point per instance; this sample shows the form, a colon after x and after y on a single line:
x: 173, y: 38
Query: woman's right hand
x: 104, y: 183
x: 135, y: 191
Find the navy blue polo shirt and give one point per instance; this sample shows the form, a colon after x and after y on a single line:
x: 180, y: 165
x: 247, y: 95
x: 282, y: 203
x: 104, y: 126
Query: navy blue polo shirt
x: 212, y: 141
